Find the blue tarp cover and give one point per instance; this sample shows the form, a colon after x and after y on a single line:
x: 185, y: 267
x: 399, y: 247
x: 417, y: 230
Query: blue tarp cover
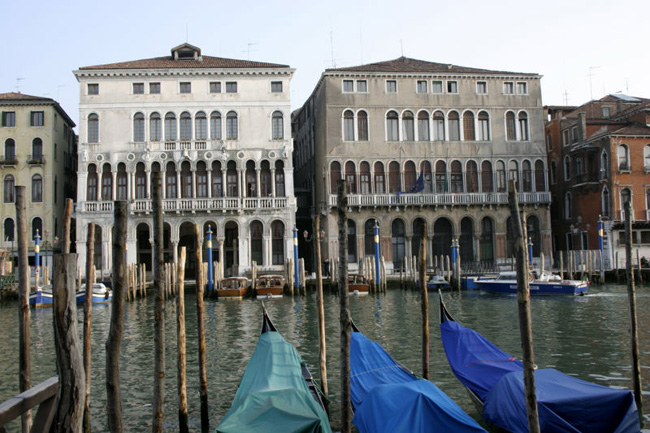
x: 273, y: 395
x: 565, y: 404
x: 388, y: 398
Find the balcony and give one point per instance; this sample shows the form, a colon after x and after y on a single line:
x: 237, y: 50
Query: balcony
x: 193, y: 205
x: 456, y: 199
x: 9, y: 161
x: 36, y: 160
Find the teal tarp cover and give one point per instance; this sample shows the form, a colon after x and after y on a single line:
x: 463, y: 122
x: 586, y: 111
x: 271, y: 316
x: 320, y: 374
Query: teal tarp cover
x: 273, y: 395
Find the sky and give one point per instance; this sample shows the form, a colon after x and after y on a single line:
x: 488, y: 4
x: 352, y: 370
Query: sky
x: 583, y: 49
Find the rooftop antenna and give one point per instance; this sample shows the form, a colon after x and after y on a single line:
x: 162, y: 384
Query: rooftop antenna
x: 627, y: 86
x: 248, y: 50
x: 565, y: 96
x: 332, y: 49
x: 401, y: 46
x: 590, y: 75
x: 18, y: 80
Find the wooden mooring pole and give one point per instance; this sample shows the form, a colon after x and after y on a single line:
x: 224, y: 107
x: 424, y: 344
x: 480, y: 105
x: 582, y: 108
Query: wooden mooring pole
x: 523, y: 300
x: 424, y: 298
x: 322, y: 356
x: 159, y: 306
x: 90, y: 249
x: 114, y: 342
x: 346, y: 408
x: 181, y: 359
x: 24, y: 369
x: 634, y: 330
x: 203, y: 375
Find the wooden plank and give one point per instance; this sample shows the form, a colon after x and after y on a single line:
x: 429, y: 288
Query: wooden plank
x: 16, y: 406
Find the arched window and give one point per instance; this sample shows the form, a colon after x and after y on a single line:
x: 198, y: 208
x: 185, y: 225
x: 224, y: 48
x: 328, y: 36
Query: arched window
x: 201, y: 180
x: 217, y: 181
x: 278, y: 126
x: 408, y: 126
x: 364, y: 178
x: 567, y: 206
x: 394, y: 184
x: 540, y: 179
x: 251, y: 179
x: 527, y: 175
x: 200, y: 126
x: 486, y: 177
x: 605, y: 202
x: 215, y: 125
x: 392, y: 126
x: 486, y: 240
x: 348, y: 125
x: 266, y: 186
x: 501, y: 176
x: 9, y: 189
x: 472, y: 176
x: 380, y: 180
x: 352, y: 241
x: 335, y: 176
x: 37, y: 149
x: 107, y: 183
x: 423, y: 126
x: 10, y: 150
x: 155, y: 133
x: 140, y: 181
x: 513, y: 173
x: 91, y: 193
x: 186, y: 126
x: 398, y: 240
x: 279, y: 179
x: 410, y: 175
x: 523, y: 126
x: 623, y: 158
x: 468, y: 126
x: 231, y: 180
x: 37, y: 227
x: 604, y: 165
x: 186, y: 180
x: 231, y: 126
x: 170, y: 181
x: 456, y: 176
x: 483, y: 126
x: 425, y: 169
x: 138, y: 128
x: 441, y: 177
x: 37, y: 188
x: 362, y: 122
x: 257, y: 231
x: 350, y: 178
x: 122, y: 182
x: 567, y: 167
x: 438, y: 126
x: 9, y: 230
x: 170, y: 126
x: 511, y: 128
x: 454, y: 126
x: 532, y: 229
x: 277, y: 243
x: 93, y: 128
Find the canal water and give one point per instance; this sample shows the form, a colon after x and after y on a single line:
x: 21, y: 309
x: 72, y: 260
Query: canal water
x: 586, y: 337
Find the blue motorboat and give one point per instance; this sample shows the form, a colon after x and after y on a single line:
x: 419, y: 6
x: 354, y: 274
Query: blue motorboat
x: 388, y: 398
x: 41, y: 298
x: 101, y: 294
x: 494, y: 380
x: 546, y: 284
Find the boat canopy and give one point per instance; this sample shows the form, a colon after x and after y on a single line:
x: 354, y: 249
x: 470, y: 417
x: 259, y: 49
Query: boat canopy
x: 381, y: 388
x: 566, y: 404
x: 273, y: 395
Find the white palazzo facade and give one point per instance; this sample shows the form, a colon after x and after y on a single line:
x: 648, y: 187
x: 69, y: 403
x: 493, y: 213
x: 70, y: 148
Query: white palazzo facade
x: 219, y: 132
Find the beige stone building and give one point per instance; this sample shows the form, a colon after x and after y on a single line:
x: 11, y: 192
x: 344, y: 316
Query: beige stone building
x: 218, y: 129
x: 39, y: 153
x: 422, y: 144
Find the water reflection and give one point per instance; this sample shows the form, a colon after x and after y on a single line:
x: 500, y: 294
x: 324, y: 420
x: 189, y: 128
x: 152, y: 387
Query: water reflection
x: 586, y: 337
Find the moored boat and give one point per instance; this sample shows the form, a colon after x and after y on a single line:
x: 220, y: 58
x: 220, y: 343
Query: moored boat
x: 100, y: 294
x: 41, y: 298
x: 269, y: 286
x: 276, y: 392
x: 437, y: 282
x: 233, y: 288
x: 545, y: 284
x: 358, y: 284
x: 387, y: 397
x: 494, y: 380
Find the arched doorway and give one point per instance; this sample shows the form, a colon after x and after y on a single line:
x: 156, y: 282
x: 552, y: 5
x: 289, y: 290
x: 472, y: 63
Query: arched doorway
x: 442, y: 235
x: 187, y: 239
x: 143, y: 246
x: 231, y: 249
x: 418, y: 231
x: 487, y: 241
x: 532, y: 227
x: 466, y: 241
x: 398, y: 238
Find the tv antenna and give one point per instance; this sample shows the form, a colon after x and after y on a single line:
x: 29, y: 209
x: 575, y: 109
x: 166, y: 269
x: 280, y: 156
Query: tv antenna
x: 590, y: 75
x: 248, y: 50
x: 18, y: 80
x: 332, y: 49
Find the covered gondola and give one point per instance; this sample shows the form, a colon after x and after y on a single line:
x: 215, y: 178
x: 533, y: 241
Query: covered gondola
x: 389, y: 398
x: 276, y: 392
x: 494, y: 379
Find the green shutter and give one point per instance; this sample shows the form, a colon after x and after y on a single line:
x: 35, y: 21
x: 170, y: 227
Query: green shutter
x: 4, y: 123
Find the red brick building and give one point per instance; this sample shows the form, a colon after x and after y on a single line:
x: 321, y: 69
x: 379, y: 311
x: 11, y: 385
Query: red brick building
x: 599, y: 157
